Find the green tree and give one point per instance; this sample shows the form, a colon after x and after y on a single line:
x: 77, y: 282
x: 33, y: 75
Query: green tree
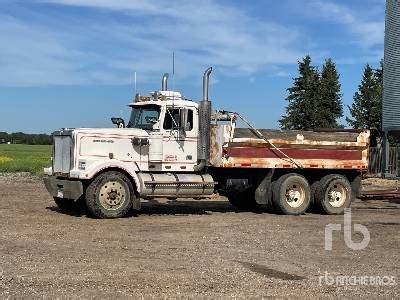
x: 377, y: 109
x: 330, y: 106
x: 25, y: 138
x: 366, y: 109
x: 4, y: 138
x: 303, y: 98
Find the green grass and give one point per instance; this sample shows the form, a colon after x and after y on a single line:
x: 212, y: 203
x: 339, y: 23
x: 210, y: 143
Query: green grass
x: 25, y: 158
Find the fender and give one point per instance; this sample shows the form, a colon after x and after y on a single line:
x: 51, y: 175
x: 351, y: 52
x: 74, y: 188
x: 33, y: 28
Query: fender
x: 96, y: 167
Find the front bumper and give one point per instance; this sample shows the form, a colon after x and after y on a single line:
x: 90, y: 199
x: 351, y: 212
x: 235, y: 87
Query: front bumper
x: 63, y: 188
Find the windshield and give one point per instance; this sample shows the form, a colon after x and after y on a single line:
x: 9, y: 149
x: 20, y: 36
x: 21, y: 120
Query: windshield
x: 144, y: 116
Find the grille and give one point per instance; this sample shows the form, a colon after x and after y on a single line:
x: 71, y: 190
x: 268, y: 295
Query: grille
x: 62, y: 154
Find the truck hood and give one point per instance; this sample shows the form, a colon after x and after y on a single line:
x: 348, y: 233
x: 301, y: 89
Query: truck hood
x: 111, y: 132
x: 94, y: 145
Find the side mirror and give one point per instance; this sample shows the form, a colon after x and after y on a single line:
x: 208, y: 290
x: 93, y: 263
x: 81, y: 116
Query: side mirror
x: 119, y: 122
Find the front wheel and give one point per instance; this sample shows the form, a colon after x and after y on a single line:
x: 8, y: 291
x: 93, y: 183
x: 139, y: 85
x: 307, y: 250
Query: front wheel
x: 110, y: 195
x: 291, y: 194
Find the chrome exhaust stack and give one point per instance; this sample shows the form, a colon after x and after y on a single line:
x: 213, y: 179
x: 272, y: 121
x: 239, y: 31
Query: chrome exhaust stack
x: 203, y: 145
x: 164, y: 82
x: 206, y: 79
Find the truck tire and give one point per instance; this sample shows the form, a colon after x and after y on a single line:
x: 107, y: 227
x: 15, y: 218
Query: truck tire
x: 110, y: 195
x: 291, y: 194
x: 313, y: 189
x: 68, y: 205
x: 313, y: 206
x: 333, y: 194
x: 244, y: 200
x: 356, y: 184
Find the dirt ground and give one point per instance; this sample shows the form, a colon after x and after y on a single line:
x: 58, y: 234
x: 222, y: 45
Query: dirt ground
x: 189, y: 248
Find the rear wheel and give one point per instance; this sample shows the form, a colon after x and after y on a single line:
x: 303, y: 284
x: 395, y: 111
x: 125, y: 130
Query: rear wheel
x: 110, y: 195
x: 334, y: 194
x: 291, y: 194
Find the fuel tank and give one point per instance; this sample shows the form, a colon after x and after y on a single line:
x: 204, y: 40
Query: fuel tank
x: 176, y: 185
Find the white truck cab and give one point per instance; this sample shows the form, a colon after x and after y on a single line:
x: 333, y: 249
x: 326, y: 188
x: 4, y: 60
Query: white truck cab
x: 171, y: 124
x: 155, y: 154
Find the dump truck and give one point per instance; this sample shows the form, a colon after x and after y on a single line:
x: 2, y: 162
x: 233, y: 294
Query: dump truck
x: 173, y: 147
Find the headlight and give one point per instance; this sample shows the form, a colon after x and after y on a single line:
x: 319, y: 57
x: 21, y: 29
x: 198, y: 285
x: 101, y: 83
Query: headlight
x: 82, y: 165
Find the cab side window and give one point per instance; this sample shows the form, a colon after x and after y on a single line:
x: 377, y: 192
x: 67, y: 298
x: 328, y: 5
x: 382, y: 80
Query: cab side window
x: 173, y: 119
x: 189, y: 123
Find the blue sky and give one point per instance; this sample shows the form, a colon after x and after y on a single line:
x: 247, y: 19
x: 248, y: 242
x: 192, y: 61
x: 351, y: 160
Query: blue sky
x: 70, y: 63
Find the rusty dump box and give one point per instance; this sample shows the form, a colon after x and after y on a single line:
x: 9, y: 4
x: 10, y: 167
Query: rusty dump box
x: 329, y: 149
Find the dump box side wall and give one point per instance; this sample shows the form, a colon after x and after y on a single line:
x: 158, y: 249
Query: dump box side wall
x: 308, y: 149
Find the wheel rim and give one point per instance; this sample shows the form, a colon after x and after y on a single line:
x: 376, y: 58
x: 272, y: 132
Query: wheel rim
x: 112, y: 195
x: 337, y: 195
x: 295, y: 195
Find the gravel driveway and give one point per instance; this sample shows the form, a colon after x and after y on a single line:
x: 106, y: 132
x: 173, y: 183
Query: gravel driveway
x: 190, y: 248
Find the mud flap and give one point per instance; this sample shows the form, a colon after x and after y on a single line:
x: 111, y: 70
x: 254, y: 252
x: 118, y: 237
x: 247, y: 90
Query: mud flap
x: 263, y: 189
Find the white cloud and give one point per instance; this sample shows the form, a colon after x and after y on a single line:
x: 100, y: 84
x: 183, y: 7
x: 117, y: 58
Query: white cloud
x: 112, y: 39
x: 368, y: 31
x: 33, y: 55
x: 201, y: 33
x: 283, y: 74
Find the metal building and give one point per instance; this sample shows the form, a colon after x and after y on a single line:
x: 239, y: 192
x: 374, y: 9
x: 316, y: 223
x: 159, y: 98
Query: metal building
x: 391, y: 77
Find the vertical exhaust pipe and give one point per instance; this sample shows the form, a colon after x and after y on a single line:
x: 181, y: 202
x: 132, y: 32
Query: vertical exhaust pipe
x: 206, y: 78
x: 164, y: 82
x: 203, y: 144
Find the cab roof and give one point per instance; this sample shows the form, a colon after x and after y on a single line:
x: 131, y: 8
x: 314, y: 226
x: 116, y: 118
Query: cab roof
x: 163, y: 98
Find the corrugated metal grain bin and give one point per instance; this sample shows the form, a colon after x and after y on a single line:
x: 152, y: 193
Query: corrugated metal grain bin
x: 391, y: 74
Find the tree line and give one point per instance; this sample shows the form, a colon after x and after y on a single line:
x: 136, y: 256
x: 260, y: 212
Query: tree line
x: 315, y: 99
x: 24, y: 138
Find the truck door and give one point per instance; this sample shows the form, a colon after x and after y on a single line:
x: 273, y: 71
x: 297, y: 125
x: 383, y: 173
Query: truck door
x: 180, y: 139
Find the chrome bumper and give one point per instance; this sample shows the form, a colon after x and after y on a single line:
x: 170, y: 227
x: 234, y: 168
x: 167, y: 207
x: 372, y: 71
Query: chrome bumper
x: 62, y: 188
